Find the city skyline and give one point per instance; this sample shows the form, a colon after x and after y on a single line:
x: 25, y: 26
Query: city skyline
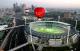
x: 43, y: 3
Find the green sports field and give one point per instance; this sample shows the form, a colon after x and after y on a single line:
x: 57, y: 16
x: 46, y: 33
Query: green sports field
x: 50, y: 30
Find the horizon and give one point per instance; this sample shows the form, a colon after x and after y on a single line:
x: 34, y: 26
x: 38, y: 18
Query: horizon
x: 43, y: 3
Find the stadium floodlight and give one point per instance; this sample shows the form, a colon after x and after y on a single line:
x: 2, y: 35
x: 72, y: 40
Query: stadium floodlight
x: 58, y: 18
x: 75, y: 24
x: 24, y: 17
x: 68, y: 34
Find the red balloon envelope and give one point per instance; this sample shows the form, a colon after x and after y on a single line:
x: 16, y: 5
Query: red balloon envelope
x: 39, y: 12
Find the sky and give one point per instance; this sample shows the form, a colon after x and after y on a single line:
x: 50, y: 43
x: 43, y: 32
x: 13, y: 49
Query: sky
x: 43, y: 3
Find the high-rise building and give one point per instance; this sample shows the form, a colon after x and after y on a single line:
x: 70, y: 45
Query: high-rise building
x: 26, y: 9
x: 67, y: 15
x: 18, y: 10
x: 33, y: 7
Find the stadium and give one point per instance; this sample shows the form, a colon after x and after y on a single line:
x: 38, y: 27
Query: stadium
x: 55, y: 33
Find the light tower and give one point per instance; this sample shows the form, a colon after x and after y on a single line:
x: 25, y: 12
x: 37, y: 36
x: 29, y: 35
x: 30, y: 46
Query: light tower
x: 58, y: 18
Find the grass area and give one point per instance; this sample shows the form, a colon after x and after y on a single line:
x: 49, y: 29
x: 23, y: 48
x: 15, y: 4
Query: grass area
x: 53, y: 30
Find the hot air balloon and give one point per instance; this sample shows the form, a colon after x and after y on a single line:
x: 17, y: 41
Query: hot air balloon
x: 39, y: 12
